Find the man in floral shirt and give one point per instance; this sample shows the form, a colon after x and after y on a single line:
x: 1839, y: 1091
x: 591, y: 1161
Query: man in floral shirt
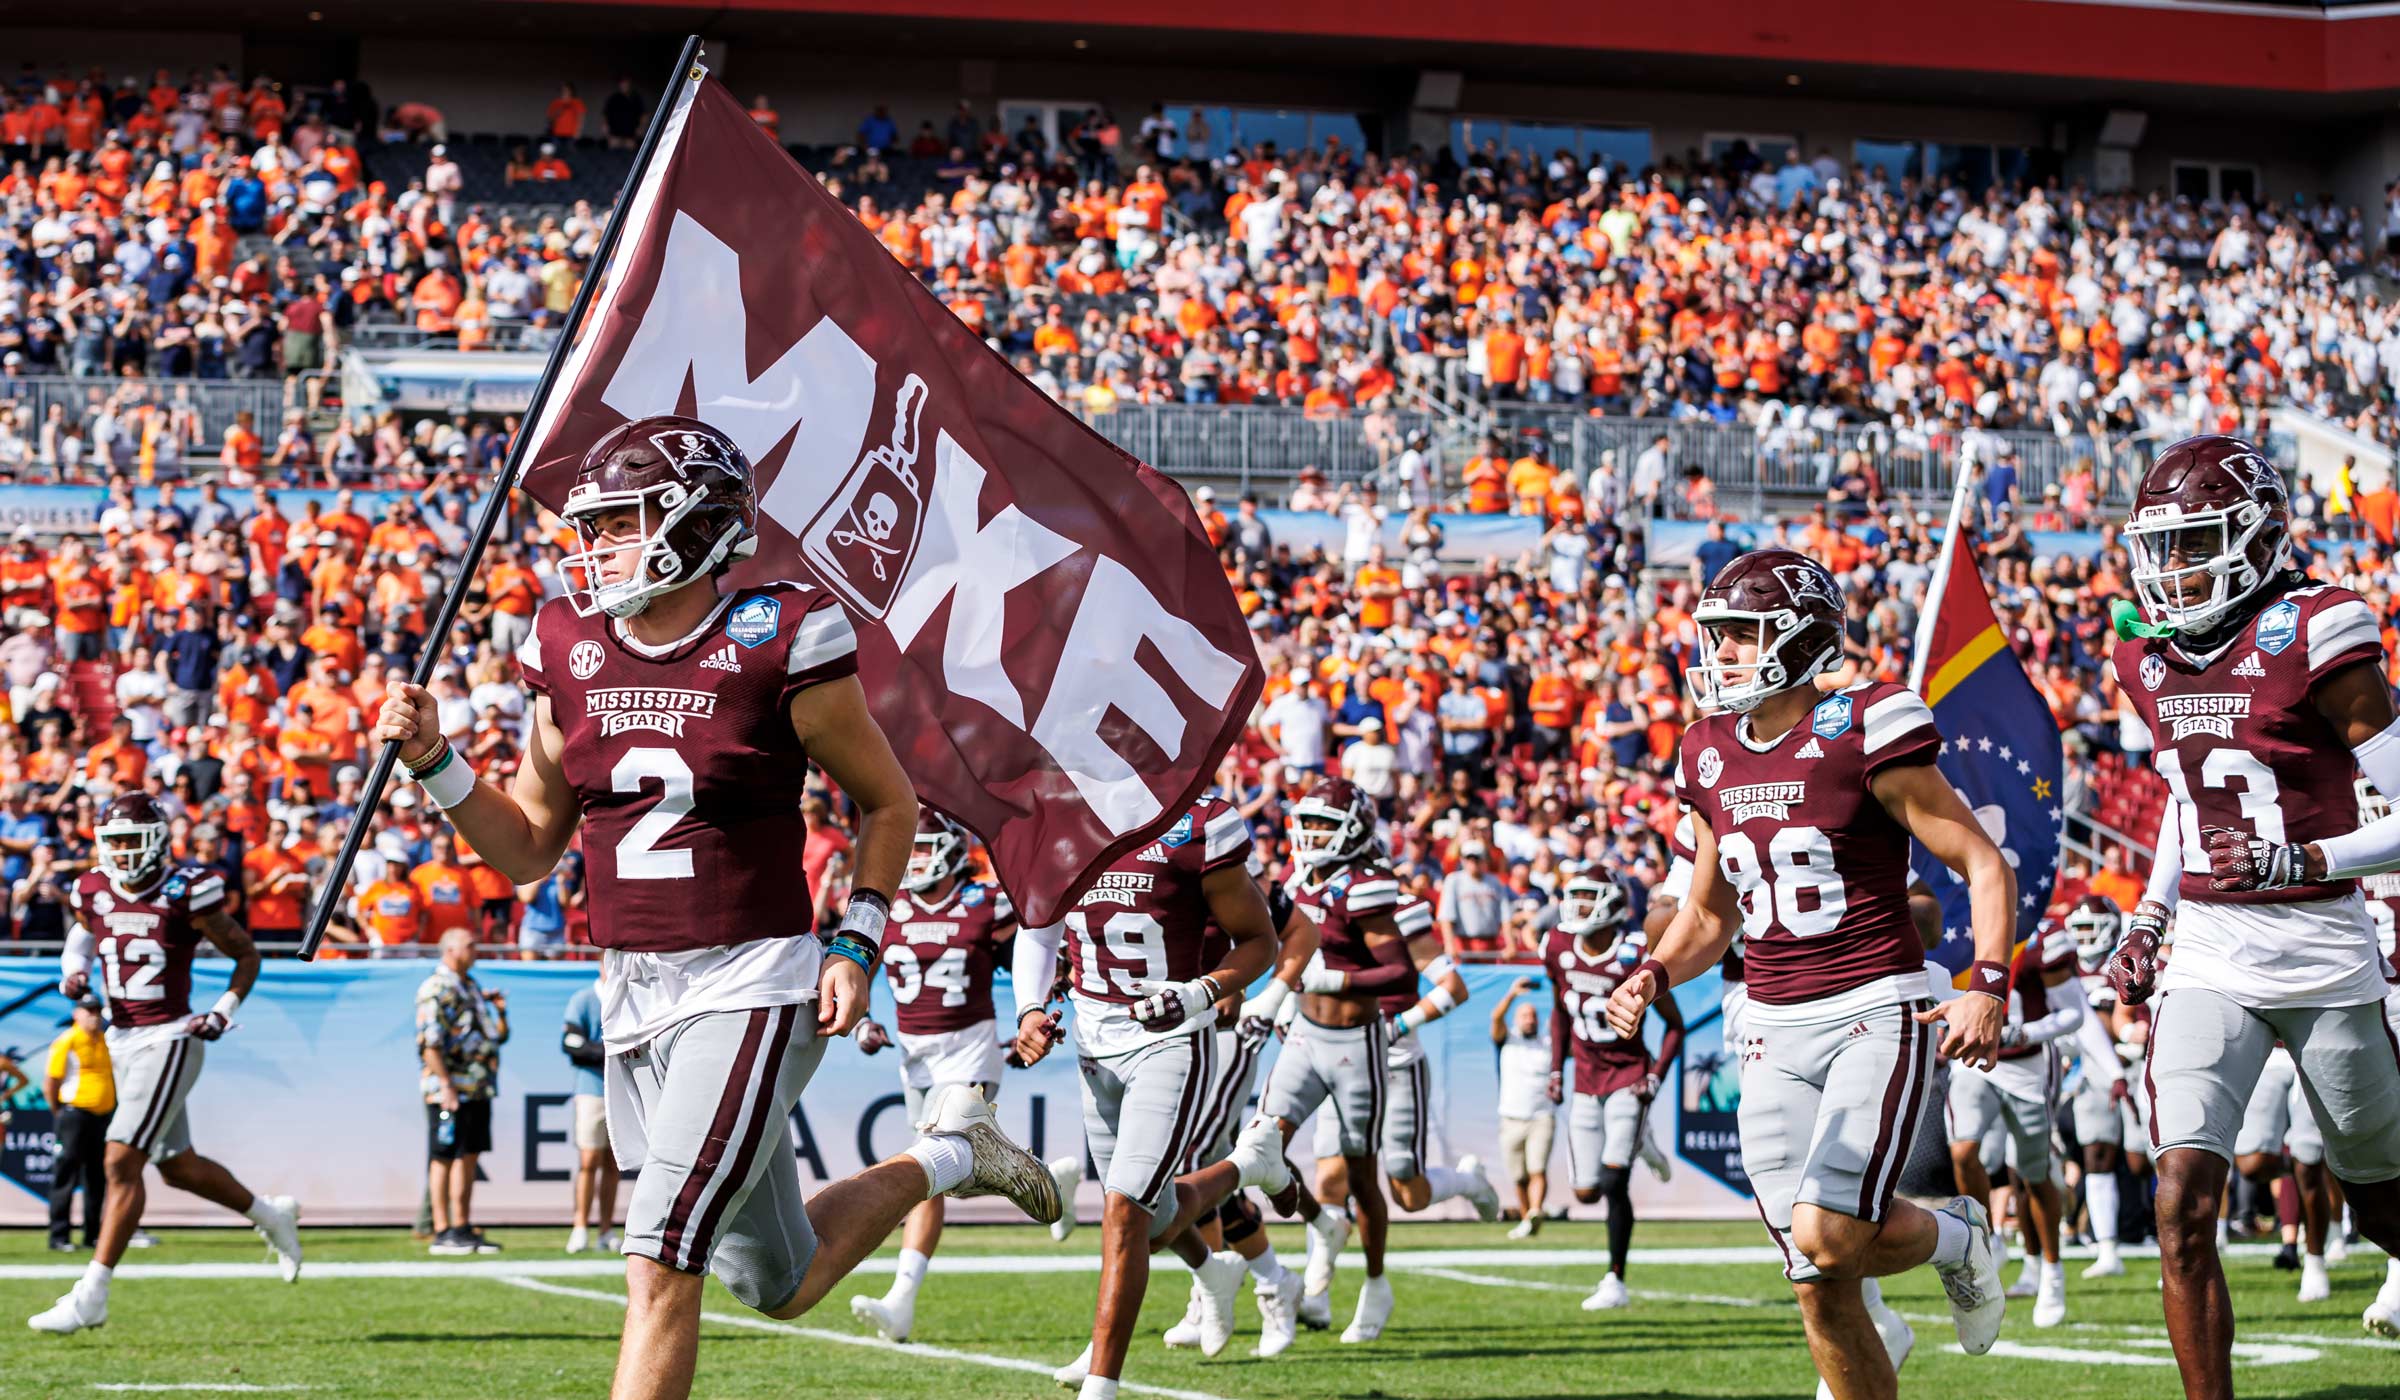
x: 460, y: 1029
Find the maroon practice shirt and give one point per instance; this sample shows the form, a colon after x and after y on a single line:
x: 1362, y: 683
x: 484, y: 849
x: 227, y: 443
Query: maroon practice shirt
x: 940, y: 957
x: 1341, y: 906
x: 1821, y: 869
x: 685, y: 764
x: 2051, y: 950
x: 1146, y: 918
x: 146, y: 944
x: 1581, y: 985
x: 2238, y: 740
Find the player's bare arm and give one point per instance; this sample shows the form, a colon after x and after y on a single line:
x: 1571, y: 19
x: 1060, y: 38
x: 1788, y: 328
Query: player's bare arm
x: 1694, y: 941
x: 233, y: 941
x: 1922, y: 800
x: 521, y: 831
x: 1235, y: 903
x: 833, y: 721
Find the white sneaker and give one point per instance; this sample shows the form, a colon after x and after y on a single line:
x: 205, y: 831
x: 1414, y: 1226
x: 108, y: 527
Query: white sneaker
x: 2337, y: 1251
x: 1374, y: 1310
x: 142, y: 1239
x: 579, y: 1239
x: 1071, y: 1375
x: 1326, y: 1236
x: 1066, y: 1173
x: 71, y: 1313
x: 2315, y: 1287
x: 1258, y: 1155
x: 1610, y: 1294
x: 2107, y: 1264
x: 1660, y: 1164
x: 2383, y: 1315
x: 1001, y: 1168
x: 1316, y: 1309
x: 890, y: 1317
x: 1523, y: 1230
x: 1977, y: 1306
x: 2029, y: 1279
x: 281, y: 1231
x: 1217, y: 1281
x: 1278, y: 1313
x: 1480, y: 1191
x: 1187, y: 1332
x: 2050, y: 1301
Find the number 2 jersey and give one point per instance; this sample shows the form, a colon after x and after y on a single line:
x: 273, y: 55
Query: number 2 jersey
x: 2240, y: 743
x: 144, y: 946
x: 940, y: 957
x: 689, y: 777
x: 1145, y: 921
x: 1819, y: 867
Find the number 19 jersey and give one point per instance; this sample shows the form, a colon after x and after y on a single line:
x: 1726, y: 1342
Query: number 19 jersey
x: 1146, y: 921
x: 1819, y: 867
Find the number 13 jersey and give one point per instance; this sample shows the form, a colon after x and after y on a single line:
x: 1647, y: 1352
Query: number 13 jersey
x: 1819, y: 867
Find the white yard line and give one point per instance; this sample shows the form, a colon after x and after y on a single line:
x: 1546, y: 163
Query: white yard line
x: 218, y: 1387
x: 855, y: 1339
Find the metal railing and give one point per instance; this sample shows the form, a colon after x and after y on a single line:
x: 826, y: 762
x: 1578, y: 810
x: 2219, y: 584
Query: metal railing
x: 214, y: 402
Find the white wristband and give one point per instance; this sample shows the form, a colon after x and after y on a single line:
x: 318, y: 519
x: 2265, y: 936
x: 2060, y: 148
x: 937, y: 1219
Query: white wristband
x: 1441, y: 1000
x: 452, y: 783
x: 227, y: 1005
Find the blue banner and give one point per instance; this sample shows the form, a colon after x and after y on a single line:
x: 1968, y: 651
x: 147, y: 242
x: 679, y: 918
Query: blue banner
x: 60, y: 510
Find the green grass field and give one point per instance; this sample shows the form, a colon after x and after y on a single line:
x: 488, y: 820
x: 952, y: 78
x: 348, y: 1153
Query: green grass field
x: 1505, y: 1324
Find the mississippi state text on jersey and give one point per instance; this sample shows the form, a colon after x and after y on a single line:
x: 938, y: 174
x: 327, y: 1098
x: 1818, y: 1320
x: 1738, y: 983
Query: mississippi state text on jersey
x: 2238, y: 741
x: 1819, y: 867
x: 1145, y: 920
x: 1604, y: 1061
x: 685, y: 763
x: 940, y: 957
x: 146, y: 945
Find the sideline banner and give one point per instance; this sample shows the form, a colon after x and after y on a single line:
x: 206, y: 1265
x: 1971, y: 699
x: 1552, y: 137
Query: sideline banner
x: 61, y: 510
x: 314, y: 1093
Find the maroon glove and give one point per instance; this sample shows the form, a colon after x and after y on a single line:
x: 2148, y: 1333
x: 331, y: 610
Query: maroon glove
x: 2133, y: 969
x: 1558, y: 1087
x: 74, y: 985
x: 2238, y: 861
x: 871, y: 1037
x: 208, y: 1025
x: 2119, y: 1091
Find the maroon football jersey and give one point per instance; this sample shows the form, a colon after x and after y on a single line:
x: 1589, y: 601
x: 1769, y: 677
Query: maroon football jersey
x: 1414, y: 915
x: 1146, y: 919
x: 684, y: 762
x: 1819, y: 867
x: 2051, y: 950
x: 940, y: 958
x: 1340, y: 907
x: 1582, y: 983
x: 146, y: 945
x: 2238, y: 740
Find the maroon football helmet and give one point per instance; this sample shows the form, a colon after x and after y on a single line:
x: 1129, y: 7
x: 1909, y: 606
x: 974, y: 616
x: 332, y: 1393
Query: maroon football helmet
x: 130, y: 841
x: 1333, y: 825
x: 1789, y: 604
x: 698, y: 512
x: 2096, y: 922
x: 2211, y: 528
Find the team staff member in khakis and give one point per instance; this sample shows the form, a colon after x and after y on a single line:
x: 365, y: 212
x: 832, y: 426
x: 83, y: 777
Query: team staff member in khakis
x: 674, y: 723
x: 82, y: 1090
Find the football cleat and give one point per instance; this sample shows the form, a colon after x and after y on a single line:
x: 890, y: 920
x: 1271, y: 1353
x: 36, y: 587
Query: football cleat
x: 2337, y: 1249
x: 281, y: 1231
x: 1609, y: 1295
x: 1278, y: 1313
x: 1374, y: 1310
x: 1479, y: 1189
x: 1187, y: 1332
x: 1067, y: 1173
x: 1001, y: 1168
x: 1218, y: 1280
x: 1316, y: 1309
x: 2107, y: 1263
x: 1977, y: 1306
x: 2029, y: 1278
x: 73, y: 1312
x: 1525, y: 1228
x: 2315, y: 1287
x: 890, y: 1317
x: 579, y: 1239
x: 2050, y: 1302
x: 612, y: 1241
x: 2383, y: 1315
x: 1258, y: 1155
x: 1071, y: 1375
x: 1326, y: 1236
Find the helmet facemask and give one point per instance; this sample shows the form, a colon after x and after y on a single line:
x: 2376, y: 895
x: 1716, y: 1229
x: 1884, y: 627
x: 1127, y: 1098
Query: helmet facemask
x: 1590, y: 908
x: 656, y: 568
x: 130, y: 853
x: 2192, y: 568
x: 1741, y: 686
x: 2095, y: 936
x: 933, y: 857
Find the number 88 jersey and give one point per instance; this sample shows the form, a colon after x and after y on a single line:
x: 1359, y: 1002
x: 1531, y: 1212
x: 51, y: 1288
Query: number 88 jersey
x: 1819, y: 867
x: 1145, y: 920
x: 2238, y: 740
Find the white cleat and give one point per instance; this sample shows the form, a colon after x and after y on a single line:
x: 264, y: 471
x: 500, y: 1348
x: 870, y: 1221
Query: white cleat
x: 2028, y: 1284
x: 1258, y: 1155
x: 579, y: 1239
x: 2107, y: 1264
x: 2337, y: 1252
x: 612, y: 1241
x: 1187, y: 1332
x: 72, y: 1313
x: 1611, y: 1294
x: 2383, y: 1315
x: 1326, y: 1236
x: 2315, y: 1287
x: 1278, y: 1314
x: 2050, y: 1303
x: 1316, y: 1309
x: 1977, y: 1306
x: 1374, y: 1310
x: 1001, y: 1167
x: 1071, y: 1375
x: 1066, y: 1173
x: 1523, y: 1230
x: 890, y: 1318
x: 1479, y: 1189
x: 1660, y: 1164
x: 281, y: 1231
x: 1216, y: 1283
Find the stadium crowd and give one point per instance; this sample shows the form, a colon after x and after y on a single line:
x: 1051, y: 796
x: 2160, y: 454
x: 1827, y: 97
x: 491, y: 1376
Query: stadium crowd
x: 1515, y: 717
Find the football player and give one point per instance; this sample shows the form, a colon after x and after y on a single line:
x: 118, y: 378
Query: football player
x: 674, y: 722
x: 142, y: 916
x: 939, y: 951
x: 1145, y: 990
x: 2103, y: 1099
x: 1616, y: 1076
x: 1806, y: 803
x: 2259, y: 688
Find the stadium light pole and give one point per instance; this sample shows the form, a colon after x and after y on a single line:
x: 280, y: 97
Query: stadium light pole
x: 338, y: 874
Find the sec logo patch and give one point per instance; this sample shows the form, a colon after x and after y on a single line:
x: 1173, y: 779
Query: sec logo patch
x: 2154, y: 671
x: 1710, y: 767
x: 583, y: 662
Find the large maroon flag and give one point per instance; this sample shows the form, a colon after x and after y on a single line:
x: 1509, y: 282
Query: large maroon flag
x: 1044, y: 632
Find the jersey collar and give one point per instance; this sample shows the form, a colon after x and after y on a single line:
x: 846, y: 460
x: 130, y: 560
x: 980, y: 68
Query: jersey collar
x: 653, y: 653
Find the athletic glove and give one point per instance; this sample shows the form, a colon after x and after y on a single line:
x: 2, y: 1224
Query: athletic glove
x: 871, y: 1036
x: 2238, y: 861
x: 74, y: 985
x: 1648, y: 1088
x: 2011, y: 1037
x: 208, y: 1025
x: 2119, y: 1091
x: 1558, y: 1087
x: 1165, y: 1006
x: 2133, y: 969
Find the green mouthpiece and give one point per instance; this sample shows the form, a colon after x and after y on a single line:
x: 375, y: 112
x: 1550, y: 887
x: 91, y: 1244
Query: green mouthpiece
x: 2127, y: 620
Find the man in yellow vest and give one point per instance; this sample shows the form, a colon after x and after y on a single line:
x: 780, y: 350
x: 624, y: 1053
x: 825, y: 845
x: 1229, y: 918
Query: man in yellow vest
x: 82, y: 1089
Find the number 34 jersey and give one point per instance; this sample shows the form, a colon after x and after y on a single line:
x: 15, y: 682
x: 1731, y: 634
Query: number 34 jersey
x: 940, y: 957
x: 1819, y: 867
x: 1145, y: 921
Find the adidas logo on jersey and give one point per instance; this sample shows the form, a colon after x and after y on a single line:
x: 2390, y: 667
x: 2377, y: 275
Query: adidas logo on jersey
x: 1154, y: 853
x: 729, y: 658
x: 1811, y: 749
x: 2250, y: 666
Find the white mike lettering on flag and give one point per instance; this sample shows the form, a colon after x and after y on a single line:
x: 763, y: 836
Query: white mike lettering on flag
x: 1045, y: 634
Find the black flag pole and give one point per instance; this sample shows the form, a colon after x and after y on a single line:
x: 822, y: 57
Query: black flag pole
x: 329, y: 895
